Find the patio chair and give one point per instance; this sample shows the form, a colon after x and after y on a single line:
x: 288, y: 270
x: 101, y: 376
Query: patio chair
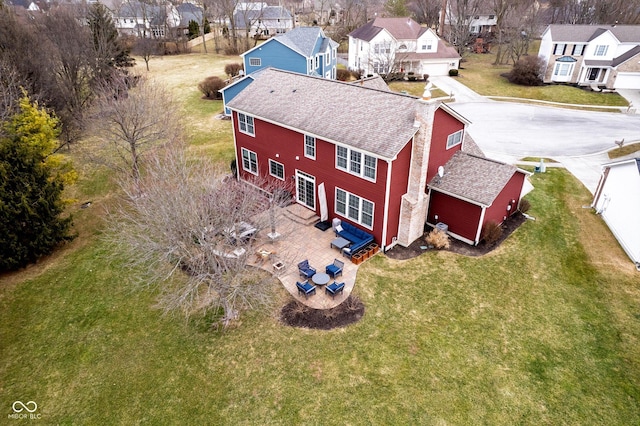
x: 306, y: 271
x: 334, y: 288
x: 306, y: 288
x: 335, y: 268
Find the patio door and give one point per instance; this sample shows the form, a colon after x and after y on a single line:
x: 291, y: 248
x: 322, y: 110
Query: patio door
x: 306, y: 189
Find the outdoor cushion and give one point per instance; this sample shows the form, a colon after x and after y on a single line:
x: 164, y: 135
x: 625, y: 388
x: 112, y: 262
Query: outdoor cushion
x: 358, y: 237
x: 305, y: 288
x: 334, y: 288
x: 306, y: 270
x: 335, y: 268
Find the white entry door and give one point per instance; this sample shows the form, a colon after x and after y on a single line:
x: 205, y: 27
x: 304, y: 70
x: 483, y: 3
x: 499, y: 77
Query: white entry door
x: 306, y: 189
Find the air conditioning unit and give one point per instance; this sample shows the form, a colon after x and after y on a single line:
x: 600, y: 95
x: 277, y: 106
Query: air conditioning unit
x: 442, y: 227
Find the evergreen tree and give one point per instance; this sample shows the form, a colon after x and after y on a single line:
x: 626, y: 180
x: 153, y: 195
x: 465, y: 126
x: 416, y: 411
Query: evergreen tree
x: 206, y: 27
x: 111, y: 53
x: 194, y: 29
x: 32, y: 179
x: 396, y: 8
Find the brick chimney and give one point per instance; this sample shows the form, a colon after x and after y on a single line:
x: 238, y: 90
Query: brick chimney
x: 413, y: 210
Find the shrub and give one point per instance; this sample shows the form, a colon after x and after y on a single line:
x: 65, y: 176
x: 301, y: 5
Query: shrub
x: 525, y: 205
x: 210, y: 86
x: 491, y: 233
x: 437, y: 238
x: 343, y: 75
x: 233, y: 69
x: 453, y: 73
x: 527, y: 71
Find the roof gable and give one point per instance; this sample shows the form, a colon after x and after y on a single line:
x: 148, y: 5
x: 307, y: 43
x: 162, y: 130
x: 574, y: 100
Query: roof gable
x: 474, y: 178
x: 399, y: 28
x: 586, y: 33
x: 376, y: 121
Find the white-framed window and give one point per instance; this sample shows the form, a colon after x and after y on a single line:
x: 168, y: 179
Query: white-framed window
x: 356, y: 162
x: 562, y: 69
x: 255, y: 62
x: 559, y: 49
x: 310, y: 147
x: 342, y: 155
x: 246, y: 124
x: 402, y: 47
x: 429, y: 45
x: 454, y: 139
x: 601, y: 50
x: 317, y: 61
x: 578, y: 50
x: 249, y: 161
x: 356, y: 208
x: 382, y: 47
x: 310, y: 64
x: 424, y: 47
x: 276, y: 169
x: 327, y: 58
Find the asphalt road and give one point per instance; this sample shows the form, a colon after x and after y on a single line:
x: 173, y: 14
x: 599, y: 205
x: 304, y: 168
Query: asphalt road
x: 523, y: 130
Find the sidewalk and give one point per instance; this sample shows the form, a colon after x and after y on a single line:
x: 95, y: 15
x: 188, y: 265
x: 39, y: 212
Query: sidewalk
x: 455, y: 89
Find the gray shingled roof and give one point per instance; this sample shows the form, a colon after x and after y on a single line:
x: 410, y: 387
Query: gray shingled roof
x: 374, y: 82
x: 376, y: 121
x: 474, y: 178
x: 399, y: 28
x: 268, y: 12
x: 304, y: 39
x: 585, y: 33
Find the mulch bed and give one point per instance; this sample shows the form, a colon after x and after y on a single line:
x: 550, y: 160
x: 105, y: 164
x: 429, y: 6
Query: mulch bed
x: 456, y: 246
x: 297, y: 314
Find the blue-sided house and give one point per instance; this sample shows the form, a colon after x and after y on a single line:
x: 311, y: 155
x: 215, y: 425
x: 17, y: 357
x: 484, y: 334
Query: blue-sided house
x: 305, y: 50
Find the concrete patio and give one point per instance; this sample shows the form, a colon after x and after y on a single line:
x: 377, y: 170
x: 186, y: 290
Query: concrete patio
x: 300, y: 240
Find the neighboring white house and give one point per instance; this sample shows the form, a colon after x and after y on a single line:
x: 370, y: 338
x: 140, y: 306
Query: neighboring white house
x: 259, y: 20
x: 617, y: 200
x: 592, y: 55
x: 385, y: 45
x: 140, y: 19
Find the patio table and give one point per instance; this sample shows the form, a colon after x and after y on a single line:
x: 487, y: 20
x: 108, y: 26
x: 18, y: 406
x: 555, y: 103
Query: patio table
x: 340, y: 243
x: 320, y: 278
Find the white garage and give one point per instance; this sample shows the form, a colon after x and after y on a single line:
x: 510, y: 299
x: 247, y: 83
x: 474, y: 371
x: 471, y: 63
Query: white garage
x: 617, y: 200
x: 627, y: 80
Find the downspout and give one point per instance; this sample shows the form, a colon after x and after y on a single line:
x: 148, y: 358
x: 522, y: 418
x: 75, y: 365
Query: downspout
x: 235, y: 145
x: 385, y: 219
x: 484, y: 209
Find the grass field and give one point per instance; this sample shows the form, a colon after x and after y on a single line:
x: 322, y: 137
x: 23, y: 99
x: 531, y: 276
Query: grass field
x: 544, y: 330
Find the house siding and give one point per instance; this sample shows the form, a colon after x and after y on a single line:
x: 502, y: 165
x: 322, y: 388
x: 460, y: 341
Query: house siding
x: 271, y: 139
x: 444, y: 124
x: 498, y: 209
x: 272, y: 53
x: 460, y: 216
x: 398, y: 187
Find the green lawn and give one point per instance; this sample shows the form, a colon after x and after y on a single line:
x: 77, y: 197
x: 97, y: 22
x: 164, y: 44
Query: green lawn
x: 479, y: 74
x: 542, y: 331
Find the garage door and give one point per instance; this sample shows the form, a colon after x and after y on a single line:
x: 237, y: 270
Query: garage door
x: 627, y: 80
x: 435, y: 69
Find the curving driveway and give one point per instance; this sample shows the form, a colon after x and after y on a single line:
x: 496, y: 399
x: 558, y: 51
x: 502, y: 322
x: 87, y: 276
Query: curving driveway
x: 510, y: 131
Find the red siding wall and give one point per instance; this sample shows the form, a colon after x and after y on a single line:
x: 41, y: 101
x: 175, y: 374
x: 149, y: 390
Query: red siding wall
x: 461, y: 217
x: 271, y: 139
x: 444, y: 124
x: 399, y: 182
x: 511, y: 191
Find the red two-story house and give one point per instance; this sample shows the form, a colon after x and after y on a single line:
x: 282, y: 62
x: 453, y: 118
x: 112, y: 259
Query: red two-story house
x: 374, y: 152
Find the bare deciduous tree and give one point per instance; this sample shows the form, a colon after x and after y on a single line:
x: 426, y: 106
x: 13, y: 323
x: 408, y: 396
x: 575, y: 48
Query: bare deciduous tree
x: 458, y: 15
x: 133, y: 123
x: 184, y: 233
